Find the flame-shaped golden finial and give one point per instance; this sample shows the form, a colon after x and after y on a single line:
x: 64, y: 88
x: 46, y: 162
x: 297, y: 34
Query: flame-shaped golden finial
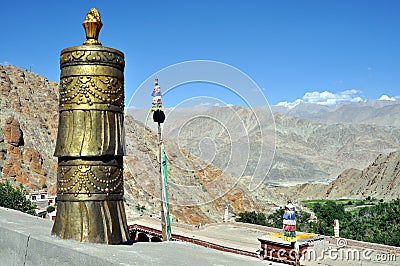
x: 92, y: 25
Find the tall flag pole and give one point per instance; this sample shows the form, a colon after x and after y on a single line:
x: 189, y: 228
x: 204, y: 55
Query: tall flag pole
x: 159, y: 118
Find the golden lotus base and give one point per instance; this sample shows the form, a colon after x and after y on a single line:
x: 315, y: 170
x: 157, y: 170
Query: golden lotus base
x: 91, y: 221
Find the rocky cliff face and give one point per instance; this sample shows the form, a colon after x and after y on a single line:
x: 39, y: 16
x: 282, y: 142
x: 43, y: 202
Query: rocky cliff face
x: 27, y: 122
x: 381, y: 179
x: 199, y: 191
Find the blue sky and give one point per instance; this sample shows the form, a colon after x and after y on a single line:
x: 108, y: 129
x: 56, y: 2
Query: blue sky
x: 309, y: 50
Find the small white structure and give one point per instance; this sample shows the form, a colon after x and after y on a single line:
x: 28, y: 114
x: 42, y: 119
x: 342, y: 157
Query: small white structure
x: 43, y: 200
x: 226, y: 214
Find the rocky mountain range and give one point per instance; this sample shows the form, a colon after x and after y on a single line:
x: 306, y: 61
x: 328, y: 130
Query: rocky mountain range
x: 295, y: 150
x: 370, y: 112
x: 199, y: 191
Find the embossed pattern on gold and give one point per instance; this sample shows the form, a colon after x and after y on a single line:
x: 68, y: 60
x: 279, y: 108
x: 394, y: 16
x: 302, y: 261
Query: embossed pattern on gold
x: 90, y: 179
x: 90, y: 90
x: 92, y: 55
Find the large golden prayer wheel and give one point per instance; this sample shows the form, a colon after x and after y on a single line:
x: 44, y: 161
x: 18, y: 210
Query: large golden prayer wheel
x: 90, y: 143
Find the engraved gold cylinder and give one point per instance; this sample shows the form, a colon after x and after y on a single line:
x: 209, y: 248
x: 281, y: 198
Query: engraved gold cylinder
x: 90, y: 146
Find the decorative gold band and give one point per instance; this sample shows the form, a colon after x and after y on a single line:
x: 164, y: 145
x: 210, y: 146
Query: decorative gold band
x: 92, y: 55
x: 94, y: 106
x: 91, y: 197
x: 90, y: 179
x: 89, y: 90
x: 89, y: 70
x: 92, y: 161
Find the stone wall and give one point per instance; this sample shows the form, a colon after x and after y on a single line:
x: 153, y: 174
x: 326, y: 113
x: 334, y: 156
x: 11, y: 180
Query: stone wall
x: 26, y: 240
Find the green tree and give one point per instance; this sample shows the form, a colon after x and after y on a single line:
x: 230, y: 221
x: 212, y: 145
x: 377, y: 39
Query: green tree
x: 14, y: 198
x: 50, y: 209
x: 303, y: 221
x: 252, y: 218
x: 275, y: 219
x: 376, y: 223
x: 326, y: 214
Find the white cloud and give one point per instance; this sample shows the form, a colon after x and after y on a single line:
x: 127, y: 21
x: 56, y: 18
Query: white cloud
x: 325, y: 98
x: 4, y: 63
x: 329, y: 98
x: 289, y: 104
x: 384, y: 97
